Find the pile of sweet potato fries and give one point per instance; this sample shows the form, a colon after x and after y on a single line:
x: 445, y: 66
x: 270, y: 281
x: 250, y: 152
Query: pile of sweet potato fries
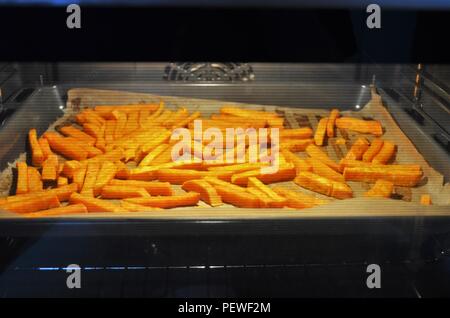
x: 118, y: 159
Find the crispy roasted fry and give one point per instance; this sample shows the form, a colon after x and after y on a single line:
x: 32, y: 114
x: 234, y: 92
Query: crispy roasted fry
x: 77, y: 134
x: 188, y: 199
x: 153, y: 154
x: 152, y: 187
x: 374, y: 149
x: 319, y: 135
x: 45, y: 147
x: 208, y: 193
x: 344, y: 163
x: 22, y: 178
x: 250, y: 113
x: 275, y: 200
x: 241, y: 199
x: 68, y: 209
x: 299, y: 163
x: 78, y: 177
x: 123, y: 192
x: 93, y: 204
x: 316, y: 183
x: 285, y: 173
x: 358, y: 149
x: 50, y: 168
x: 33, y: 203
x: 179, y: 176
x: 386, y: 154
x: 89, y: 180
x: 317, y: 154
x: 106, y: 173
x: 381, y: 189
x: 331, y: 122
x: 34, y: 180
x: 37, y: 155
x: 363, y: 126
x: 121, y: 123
x: 298, y: 200
x: 406, y: 178
x: 300, y: 133
x: 60, y: 145
x: 323, y: 170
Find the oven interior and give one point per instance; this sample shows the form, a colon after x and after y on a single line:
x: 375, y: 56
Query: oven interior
x: 240, y: 258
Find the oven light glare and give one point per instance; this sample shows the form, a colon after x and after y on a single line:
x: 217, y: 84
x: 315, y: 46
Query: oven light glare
x: 357, y: 107
x: 363, y: 86
x: 61, y: 106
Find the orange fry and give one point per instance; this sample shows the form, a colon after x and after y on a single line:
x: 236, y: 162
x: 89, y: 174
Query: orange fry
x: 358, y: 149
x: 316, y: 183
x: 207, y: 192
x: 22, y: 178
x: 319, y: 136
x: 153, y: 187
x: 331, y: 122
x: 37, y: 154
x: 120, y: 192
x: 386, y: 153
x: 298, y: 200
x: 187, y: 199
x: 93, y: 204
x: 362, y: 126
x: 69, y: 209
x: 381, y: 188
x: 32, y: 204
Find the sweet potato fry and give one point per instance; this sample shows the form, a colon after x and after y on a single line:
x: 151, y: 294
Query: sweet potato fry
x: 284, y: 173
x: 188, y: 199
x: 331, y: 122
x: 121, y: 192
x: 91, y: 150
x: 207, y: 192
x: 237, y: 168
x: 264, y: 200
x: 363, y: 126
x: 70, y: 166
x: 316, y: 183
x: 425, y: 199
x: 381, y: 189
x: 22, y: 178
x: 321, y: 129
x: 133, y: 207
x: 300, y: 133
x: 374, y: 149
x: 406, y: 178
x: 276, y: 201
x: 32, y: 203
x: 60, y: 145
x: 237, y: 198
x: 323, y: 170
x: 36, y: 152
x: 298, y: 200
x: 93, y: 204
x: 386, y: 153
x: 296, y: 145
x: 299, y: 163
x: 62, y: 181
x: 164, y: 157
x: 153, y: 187
x: 63, y: 193
x: 50, y: 168
x: 78, y: 177
x: 106, y: 173
x: 317, y: 153
x: 179, y: 176
x: 45, y: 147
x: 69, y: 209
x: 94, y: 117
x: 34, y: 180
x: 73, y: 132
x: 153, y: 154
x: 358, y: 149
x: 344, y: 163
x: 156, y: 140
x: 89, y: 180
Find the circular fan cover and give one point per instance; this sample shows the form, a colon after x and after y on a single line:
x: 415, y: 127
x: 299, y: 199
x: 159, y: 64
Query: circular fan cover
x: 209, y: 72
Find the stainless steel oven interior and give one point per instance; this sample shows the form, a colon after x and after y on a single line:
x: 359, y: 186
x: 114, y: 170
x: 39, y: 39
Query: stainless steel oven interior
x: 229, y: 259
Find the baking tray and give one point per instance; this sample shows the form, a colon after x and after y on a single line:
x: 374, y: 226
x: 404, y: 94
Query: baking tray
x: 405, y: 204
